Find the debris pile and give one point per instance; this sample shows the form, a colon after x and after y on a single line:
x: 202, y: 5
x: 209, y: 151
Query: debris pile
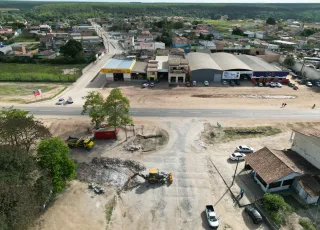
x: 147, y: 143
x: 96, y: 189
x: 110, y: 171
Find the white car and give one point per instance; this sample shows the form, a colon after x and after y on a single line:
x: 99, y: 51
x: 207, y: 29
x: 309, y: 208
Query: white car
x: 273, y: 84
x: 206, y: 83
x: 144, y: 85
x: 309, y: 84
x: 278, y: 84
x: 244, y: 149
x: 237, y: 156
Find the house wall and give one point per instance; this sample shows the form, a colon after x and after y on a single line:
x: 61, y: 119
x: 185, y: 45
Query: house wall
x: 127, y: 77
x: 109, y: 76
x: 267, y: 189
x: 303, y: 194
x: 308, y: 148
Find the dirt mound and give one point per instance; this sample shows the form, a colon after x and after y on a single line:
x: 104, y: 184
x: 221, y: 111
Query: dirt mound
x: 110, y: 171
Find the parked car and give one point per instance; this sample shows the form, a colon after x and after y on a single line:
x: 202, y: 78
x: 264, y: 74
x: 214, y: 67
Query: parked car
x: 244, y: 149
x: 144, y: 85
x: 291, y: 84
x: 309, y: 84
x: 317, y: 83
x: 232, y: 83
x: 61, y: 101
x: 224, y: 82
x: 278, y: 84
x: 237, y: 82
x: 254, y: 214
x: 69, y: 101
x: 194, y: 83
x: 260, y: 84
x: 206, y: 83
x: 237, y: 156
x: 151, y: 84
x: 188, y: 84
x: 273, y: 84
x: 212, y: 218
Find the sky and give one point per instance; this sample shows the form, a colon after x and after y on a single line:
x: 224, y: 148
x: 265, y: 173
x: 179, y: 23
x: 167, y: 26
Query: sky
x: 191, y: 1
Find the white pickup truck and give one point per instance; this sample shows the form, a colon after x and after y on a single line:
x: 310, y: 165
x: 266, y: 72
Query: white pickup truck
x: 212, y: 218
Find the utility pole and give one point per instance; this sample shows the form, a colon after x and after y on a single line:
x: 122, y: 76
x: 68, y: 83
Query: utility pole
x: 234, y: 176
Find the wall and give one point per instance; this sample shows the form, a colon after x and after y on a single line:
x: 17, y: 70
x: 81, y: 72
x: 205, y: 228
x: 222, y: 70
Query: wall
x: 303, y: 194
x: 127, y: 76
x: 270, y: 58
x: 109, y: 76
x: 308, y: 148
x: 201, y: 75
x: 291, y: 176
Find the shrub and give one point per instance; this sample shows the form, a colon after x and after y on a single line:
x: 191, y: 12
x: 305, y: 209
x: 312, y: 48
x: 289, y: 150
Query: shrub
x: 306, y: 224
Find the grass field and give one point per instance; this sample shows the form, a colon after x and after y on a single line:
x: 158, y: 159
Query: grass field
x: 23, y: 89
x: 24, y: 39
x: 39, y: 72
x: 224, y: 26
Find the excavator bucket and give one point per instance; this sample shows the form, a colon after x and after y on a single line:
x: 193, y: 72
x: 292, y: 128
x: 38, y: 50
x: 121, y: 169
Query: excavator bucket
x: 170, y: 178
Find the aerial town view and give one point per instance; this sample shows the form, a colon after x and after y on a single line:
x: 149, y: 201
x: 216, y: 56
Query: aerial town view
x: 176, y: 115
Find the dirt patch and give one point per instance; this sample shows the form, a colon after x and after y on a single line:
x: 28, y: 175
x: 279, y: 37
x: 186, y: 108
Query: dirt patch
x: 257, y: 96
x: 70, y: 71
x: 109, y: 171
x: 213, y: 134
x: 147, y: 143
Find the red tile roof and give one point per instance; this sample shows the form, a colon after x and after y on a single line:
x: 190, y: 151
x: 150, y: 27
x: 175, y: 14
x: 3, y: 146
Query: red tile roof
x: 310, y: 185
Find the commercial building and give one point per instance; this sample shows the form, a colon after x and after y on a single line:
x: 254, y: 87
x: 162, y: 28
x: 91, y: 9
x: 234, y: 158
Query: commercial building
x: 94, y: 40
x: 118, y: 70
x: 152, y: 70
x: 203, y: 68
x: 139, y: 71
x: 178, y: 68
x: 149, y: 45
x: 163, y: 67
x: 263, y: 71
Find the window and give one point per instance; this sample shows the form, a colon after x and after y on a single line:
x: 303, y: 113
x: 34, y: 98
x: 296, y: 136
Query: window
x: 275, y: 184
x: 180, y: 79
x: 173, y: 79
x: 287, y: 182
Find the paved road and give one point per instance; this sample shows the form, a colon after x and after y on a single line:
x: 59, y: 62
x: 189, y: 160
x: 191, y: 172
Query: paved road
x: 154, y: 112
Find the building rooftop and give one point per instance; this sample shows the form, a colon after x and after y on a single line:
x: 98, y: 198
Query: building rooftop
x: 162, y: 62
x: 256, y: 63
x: 201, y: 61
x: 272, y: 165
x: 139, y: 67
x: 310, y: 184
x: 309, y: 132
x: 228, y: 61
x: 119, y: 64
x: 180, y: 40
x: 284, y: 42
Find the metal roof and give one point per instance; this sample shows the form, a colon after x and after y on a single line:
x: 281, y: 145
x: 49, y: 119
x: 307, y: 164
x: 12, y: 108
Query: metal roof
x: 118, y: 64
x: 139, y: 67
x: 201, y: 61
x: 256, y: 63
x: 228, y: 61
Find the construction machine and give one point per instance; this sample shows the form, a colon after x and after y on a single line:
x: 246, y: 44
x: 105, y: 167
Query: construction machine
x: 155, y: 176
x: 81, y: 142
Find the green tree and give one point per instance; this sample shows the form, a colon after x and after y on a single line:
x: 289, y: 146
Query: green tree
x: 117, y: 109
x: 71, y: 49
x: 201, y: 36
x: 18, y: 129
x: 94, y: 106
x: 289, y: 61
x: 308, y: 32
x: 53, y: 156
x: 237, y: 31
x: 177, y: 25
x: 24, y: 188
x: 271, y: 21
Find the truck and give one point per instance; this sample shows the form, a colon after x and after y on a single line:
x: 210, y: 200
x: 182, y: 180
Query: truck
x: 105, y: 132
x: 212, y: 218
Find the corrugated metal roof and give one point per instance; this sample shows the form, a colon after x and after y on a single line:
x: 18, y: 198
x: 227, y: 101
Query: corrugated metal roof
x: 256, y: 63
x: 139, y: 67
x: 118, y: 64
x: 228, y: 61
x: 201, y: 61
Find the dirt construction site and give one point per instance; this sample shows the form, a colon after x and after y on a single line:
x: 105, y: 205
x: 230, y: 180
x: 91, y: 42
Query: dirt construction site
x: 193, y: 149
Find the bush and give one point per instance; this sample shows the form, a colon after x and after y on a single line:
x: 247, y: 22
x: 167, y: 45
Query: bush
x: 306, y: 224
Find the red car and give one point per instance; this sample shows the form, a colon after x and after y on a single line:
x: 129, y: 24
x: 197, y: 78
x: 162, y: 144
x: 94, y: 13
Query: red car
x: 188, y: 84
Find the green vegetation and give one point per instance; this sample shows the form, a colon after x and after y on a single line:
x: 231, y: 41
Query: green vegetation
x: 94, y: 106
x: 308, y: 32
x: 53, y: 157
x: 108, y: 211
x: 289, y: 61
x: 237, y: 31
x: 306, y: 224
x: 271, y: 21
x: 39, y: 72
x: 24, y: 39
x: 71, y: 49
x: 276, y: 207
x: 23, y: 90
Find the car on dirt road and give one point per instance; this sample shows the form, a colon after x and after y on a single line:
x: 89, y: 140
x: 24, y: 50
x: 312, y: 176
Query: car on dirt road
x: 151, y: 84
x: 279, y: 85
x: 212, y: 218
x: 206, y: 83
x: 61, y: 101
x: 254, y: 214
x: 244, y: 149
x: 194, y: 83
x: 145, y: 85
x: 272, y: 84
x: 188, y: 84
x: 236, y: 156
x: 224, y: 82
x: 309, y: 84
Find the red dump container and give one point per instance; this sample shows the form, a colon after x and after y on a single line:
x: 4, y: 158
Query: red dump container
x: 105, y: 133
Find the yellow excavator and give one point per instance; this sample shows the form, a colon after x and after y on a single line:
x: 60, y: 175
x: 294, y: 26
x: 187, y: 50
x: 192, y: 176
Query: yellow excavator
x: 155, y: 176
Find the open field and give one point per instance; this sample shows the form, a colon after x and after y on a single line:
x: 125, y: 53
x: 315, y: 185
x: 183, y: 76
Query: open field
x: 225, y: 25
x: 23, y: 92
x: 39, y: 72
x: 24, y: 39
x: 195, y: 181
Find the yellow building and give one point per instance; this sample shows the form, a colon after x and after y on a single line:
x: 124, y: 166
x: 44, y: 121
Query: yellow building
x: 118, y: 70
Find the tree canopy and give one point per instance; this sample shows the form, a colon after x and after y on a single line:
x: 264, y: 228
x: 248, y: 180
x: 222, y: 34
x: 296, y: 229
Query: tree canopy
x: 271, y: 21
x: 94, y: 106
x: 237, y: 31
x: 53, y: 156
x: 289, y: 61
x: 71, y: 49
x: 17, y: 128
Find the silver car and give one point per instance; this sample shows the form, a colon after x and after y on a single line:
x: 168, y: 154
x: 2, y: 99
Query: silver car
x: 244, y: 149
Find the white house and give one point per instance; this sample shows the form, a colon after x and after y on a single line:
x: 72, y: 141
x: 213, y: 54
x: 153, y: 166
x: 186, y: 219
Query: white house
x: 149, y: 45
x: 277, y: 170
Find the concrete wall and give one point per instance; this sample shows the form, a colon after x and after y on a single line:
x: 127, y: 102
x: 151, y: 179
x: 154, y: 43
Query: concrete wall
x: 201, y: 75
x: 291, y: 176
x: 270, y: 58
x: 109, y: 76
x: 127, y: 77
x: 303, y: 194
x: 308, y: 148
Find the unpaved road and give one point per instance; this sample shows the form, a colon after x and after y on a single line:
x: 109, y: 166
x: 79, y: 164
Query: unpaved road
x: 180, y: 205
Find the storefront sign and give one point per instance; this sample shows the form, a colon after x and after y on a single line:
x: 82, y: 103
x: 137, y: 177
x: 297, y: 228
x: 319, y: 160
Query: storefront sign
x: 146, y: 44
x: 115, y: 70
x: 230, y: 75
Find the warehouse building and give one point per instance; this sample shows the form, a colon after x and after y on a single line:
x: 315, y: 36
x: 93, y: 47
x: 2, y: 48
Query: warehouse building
x: 118, y: 70
x: 203, y: 67
x: 263, y: 71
